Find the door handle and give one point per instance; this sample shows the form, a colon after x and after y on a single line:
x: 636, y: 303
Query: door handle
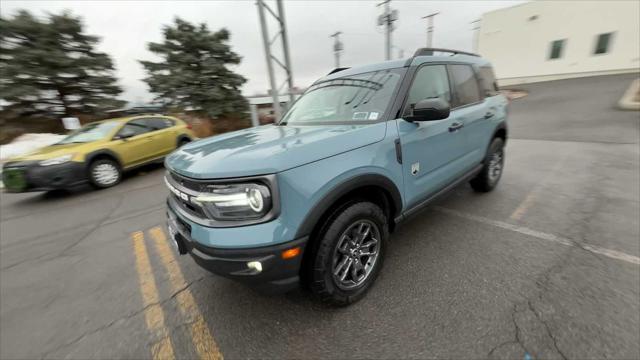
x: 456, y: 126
x: 488, y: 115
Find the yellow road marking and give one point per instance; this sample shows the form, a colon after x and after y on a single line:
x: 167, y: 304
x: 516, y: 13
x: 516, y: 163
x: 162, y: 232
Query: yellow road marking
x: 530, y: 199
x: 200, y: 335
x: 154, y: 315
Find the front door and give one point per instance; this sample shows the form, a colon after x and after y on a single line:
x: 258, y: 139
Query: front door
x: 431, y: 150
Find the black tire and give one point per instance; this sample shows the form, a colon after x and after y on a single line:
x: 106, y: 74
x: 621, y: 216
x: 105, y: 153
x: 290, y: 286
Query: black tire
x: 183, y: 142
x: 491, y: 172
x: 328, y: 257
x: 102, y: 182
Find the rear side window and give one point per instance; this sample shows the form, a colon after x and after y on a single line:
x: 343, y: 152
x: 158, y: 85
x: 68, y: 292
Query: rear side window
x: 489, y: 83
x: 135, y: 127
x: 430, y: 82
x: 465, y: 84
x: 159, y: 123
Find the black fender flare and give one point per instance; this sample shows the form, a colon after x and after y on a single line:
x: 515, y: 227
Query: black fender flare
x: 94, y: 154
x: 343, y: 188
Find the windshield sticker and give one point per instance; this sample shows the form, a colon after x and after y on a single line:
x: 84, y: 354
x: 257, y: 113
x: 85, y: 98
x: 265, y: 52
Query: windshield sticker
x: 373, y: 115
x: 362, y: 115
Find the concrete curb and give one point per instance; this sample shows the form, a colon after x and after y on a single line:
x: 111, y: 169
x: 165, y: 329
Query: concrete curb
x: 631, y: 98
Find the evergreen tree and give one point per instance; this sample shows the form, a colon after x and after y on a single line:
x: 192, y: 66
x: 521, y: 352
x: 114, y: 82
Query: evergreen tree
x: 193, y: 73
x: 51, y: 68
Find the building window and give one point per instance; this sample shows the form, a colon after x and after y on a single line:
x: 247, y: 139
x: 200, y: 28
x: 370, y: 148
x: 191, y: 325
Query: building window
x: 556, y: 49
x: 602, y: 44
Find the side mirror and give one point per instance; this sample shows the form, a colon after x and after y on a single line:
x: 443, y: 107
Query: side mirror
x: 430, y: 110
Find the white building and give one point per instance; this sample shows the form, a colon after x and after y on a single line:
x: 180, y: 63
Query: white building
x: 548, y: 40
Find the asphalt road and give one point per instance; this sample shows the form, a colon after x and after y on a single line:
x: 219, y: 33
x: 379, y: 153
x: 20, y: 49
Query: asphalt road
x: 546, y: 265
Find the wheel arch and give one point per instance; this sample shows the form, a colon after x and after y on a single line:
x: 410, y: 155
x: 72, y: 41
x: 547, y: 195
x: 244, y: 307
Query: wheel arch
x: 103, y: 153
x: 374, y: 187
x: 181, y: 138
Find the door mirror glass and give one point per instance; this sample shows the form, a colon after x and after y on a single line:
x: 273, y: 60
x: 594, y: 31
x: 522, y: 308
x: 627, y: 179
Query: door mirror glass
x: 430, y: 110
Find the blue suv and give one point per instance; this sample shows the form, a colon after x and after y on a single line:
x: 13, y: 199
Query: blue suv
x: 312, y: 199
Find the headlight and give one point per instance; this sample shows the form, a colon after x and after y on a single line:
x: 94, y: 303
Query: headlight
x: 242, y: 201
x: 57, y: 160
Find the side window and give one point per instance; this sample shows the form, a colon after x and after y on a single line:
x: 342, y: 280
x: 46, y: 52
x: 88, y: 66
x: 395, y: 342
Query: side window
x: 489, y: 83
x: 160, y: 123
x: 431, y: 81
x: 134, y: 127
x: 465, y: 84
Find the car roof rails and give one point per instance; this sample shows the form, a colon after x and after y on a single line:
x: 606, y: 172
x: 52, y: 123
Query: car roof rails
x: 430, y: 51
x: 337, y: 70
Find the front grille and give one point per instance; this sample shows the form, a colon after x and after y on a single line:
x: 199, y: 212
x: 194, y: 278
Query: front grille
x: 188, y: 183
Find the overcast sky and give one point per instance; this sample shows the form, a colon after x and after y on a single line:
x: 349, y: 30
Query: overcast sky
x: 125, y: 27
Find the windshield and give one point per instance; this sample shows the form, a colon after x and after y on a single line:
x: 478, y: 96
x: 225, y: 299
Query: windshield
x: 358, y: 98
x: 90, y: 132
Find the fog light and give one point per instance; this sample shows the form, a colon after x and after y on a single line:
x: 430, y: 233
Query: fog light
x: 255, y: 265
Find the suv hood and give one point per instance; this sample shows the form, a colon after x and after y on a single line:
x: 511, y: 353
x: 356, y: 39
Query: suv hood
x: 269, y: 149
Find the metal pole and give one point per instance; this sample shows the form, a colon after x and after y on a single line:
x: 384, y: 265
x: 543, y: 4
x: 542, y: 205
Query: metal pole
x: 267, y: 51
x: 285, y: 49
x: 430, y: 28
x: 337, y: 47
x: 387, y: 12
x: 255, y: 121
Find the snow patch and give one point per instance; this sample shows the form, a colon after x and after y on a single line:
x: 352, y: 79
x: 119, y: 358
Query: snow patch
x: 27, y: 143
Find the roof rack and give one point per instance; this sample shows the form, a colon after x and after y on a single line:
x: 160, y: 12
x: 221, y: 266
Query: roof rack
x: 430, y: 51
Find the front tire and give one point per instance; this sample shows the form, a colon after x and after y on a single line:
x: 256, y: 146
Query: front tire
x: 350, y: 253
x: 491, y: 172
x: 104, y: 173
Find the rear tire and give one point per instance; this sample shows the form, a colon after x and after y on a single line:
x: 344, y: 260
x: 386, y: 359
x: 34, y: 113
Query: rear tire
x: 350, y: 253
x: 183, y: 142
x: 104, y: 173
x: 491, y: 172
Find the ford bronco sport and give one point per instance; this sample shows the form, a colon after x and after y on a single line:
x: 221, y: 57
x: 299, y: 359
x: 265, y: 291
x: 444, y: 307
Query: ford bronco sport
x: 312, y: 199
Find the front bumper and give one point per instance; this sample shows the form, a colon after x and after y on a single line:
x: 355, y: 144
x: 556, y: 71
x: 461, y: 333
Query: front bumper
x: 277, y: 275
x: 25, y: 176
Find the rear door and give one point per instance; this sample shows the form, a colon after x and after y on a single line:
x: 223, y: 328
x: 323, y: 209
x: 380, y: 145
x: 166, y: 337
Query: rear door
x: 430, y: 149
x: 164, y: 133
x: 133, y: 149
x: 469, y: 108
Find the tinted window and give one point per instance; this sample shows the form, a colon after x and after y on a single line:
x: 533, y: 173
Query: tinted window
x: 135, y: 127
x: 465, y: 84
x: 430, y: 82
x: 602, y: 44
x: 489, y: 83
x: 159, y: 123
x: 555, y: 51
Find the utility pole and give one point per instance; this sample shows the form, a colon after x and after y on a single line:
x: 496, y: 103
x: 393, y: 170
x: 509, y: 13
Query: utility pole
x: 387, y: 19
x: 476, y: 30
x: 271, y: 59
x: 337, y: 47
x: 430, y: 28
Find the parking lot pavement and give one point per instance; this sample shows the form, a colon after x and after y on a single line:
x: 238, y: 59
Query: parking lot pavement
x: 547, y: 264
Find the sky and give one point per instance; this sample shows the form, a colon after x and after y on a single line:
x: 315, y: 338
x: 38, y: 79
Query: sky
x: 125, y: 28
